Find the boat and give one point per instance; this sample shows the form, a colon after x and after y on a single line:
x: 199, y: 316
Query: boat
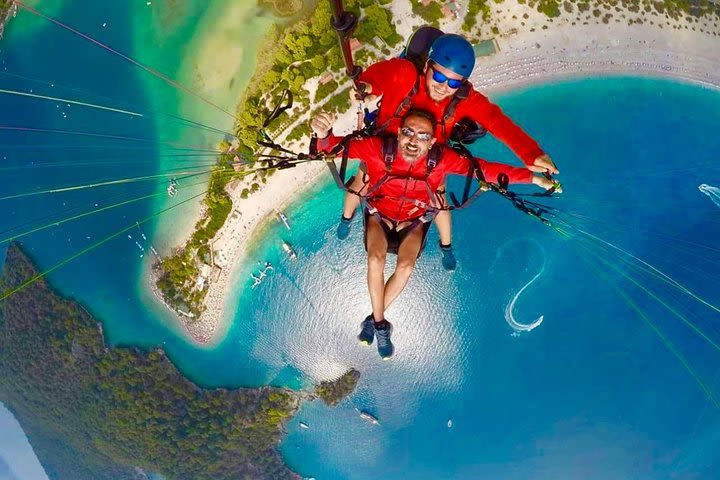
x: 368, y: 417
x: 449, y: 424
x: 257, y: 279
x: 172, y: 188
x: 289, y: 250
x: 304, y: 425
x: 283, y: 218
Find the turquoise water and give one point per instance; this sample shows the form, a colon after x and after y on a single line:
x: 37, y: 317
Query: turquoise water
x: 591, y: 393
x: 107, y: 280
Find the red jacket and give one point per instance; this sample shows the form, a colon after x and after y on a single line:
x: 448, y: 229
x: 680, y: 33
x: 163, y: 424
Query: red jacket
x: 407, y: 194
x: 394, y: 80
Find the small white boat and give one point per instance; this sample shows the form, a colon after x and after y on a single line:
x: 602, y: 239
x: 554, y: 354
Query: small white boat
x: 283, y: 218
x: 172, y: 188
x: 449, y: 423
x: 304, y: 425
x: 368, y: 417
x: 257, y: 279
x: 289, y: 250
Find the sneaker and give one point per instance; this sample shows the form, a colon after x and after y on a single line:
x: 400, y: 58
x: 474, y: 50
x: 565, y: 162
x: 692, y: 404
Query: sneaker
x: 384, y: 344
x: 343, y: 228
x: 367, y: 330
x: 449, y: 262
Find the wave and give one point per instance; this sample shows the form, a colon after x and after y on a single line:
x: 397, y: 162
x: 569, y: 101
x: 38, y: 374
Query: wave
x: 510, y: 318
x: 712, y: 192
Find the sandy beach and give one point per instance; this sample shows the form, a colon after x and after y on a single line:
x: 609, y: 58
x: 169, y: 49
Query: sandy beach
x: 563, y: 48
x: 231, y: 242
x: 226, y: 26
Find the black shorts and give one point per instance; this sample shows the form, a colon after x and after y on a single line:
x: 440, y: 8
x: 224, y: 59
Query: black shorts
x: 396, y: 238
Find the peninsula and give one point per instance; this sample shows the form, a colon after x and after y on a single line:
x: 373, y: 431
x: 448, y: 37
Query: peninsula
x: 95, y: 412
x: 518, y: 42
x: 8, y: 9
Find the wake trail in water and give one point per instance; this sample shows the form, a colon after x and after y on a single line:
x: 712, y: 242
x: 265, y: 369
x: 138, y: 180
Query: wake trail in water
x: 510, y: 318
x: 712, y: 192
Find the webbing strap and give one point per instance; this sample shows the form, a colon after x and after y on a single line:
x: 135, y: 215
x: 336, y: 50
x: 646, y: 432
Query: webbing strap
x: 287, y: 96
x: 428, y: 216
x: 461, y: 94
x: 265, y: 139
x: 401, y: 109
x: 329, y: 157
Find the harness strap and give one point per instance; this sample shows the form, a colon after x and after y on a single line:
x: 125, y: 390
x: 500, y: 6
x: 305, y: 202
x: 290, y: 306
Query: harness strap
x: 265, y: 140
x: 389, y: 150
x: 449, y: 113
x: 518, y: 202
x: 280, y: 108
x: 433, y: 158
x: 329, y: 157
x: 425, y: 218
x: 401, y: 109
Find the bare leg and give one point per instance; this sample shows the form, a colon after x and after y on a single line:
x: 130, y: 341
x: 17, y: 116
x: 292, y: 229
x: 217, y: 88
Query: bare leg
x: 444, y: 226
x: 376, y: 252
x: 407, y: 255
x: 443, y: 221
x: 352, y: 202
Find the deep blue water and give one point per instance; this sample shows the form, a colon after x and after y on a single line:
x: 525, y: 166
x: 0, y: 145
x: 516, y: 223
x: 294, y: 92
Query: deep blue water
x: 591, y: 393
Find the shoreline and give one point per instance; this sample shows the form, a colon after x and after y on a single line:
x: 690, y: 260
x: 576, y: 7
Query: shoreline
x: 533, y: 58
x: 219, y: 78
x: 236, y: 238
x: 524, y: 59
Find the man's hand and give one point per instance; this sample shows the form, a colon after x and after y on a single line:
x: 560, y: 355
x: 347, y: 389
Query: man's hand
x: 322, y: 123
x: 543, y: 164
x: 546, y: 183
x: 356, y: 97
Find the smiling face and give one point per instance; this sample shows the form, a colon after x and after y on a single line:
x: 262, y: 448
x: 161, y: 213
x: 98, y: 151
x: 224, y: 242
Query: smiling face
x: 436, y: 90
x: 412, y: 147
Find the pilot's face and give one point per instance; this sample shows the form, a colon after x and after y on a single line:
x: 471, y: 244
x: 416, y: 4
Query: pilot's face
x: 436, y: 81
x: 416, y: 137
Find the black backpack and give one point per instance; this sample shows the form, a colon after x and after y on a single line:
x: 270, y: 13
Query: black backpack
x: 418, y: 46
x: 465, y: 131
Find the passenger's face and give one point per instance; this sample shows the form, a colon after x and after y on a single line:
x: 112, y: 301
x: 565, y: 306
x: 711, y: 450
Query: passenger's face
x: 412, y: 147
x: 439, y: 91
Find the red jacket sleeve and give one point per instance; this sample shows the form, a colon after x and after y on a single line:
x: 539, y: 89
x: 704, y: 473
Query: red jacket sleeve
x: 359, y: 148
x: 455, y: 163
x: 396, y: 74
x: 491, y: 170
x: 490, y: 116
x: 328, y: 143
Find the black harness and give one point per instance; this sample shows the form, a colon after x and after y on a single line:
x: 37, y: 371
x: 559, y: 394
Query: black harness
x: 339, y: 174
x: 389, y: 152
x: 448, y: 115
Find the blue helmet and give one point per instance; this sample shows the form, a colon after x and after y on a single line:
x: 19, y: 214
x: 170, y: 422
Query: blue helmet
x: 454, y: 53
